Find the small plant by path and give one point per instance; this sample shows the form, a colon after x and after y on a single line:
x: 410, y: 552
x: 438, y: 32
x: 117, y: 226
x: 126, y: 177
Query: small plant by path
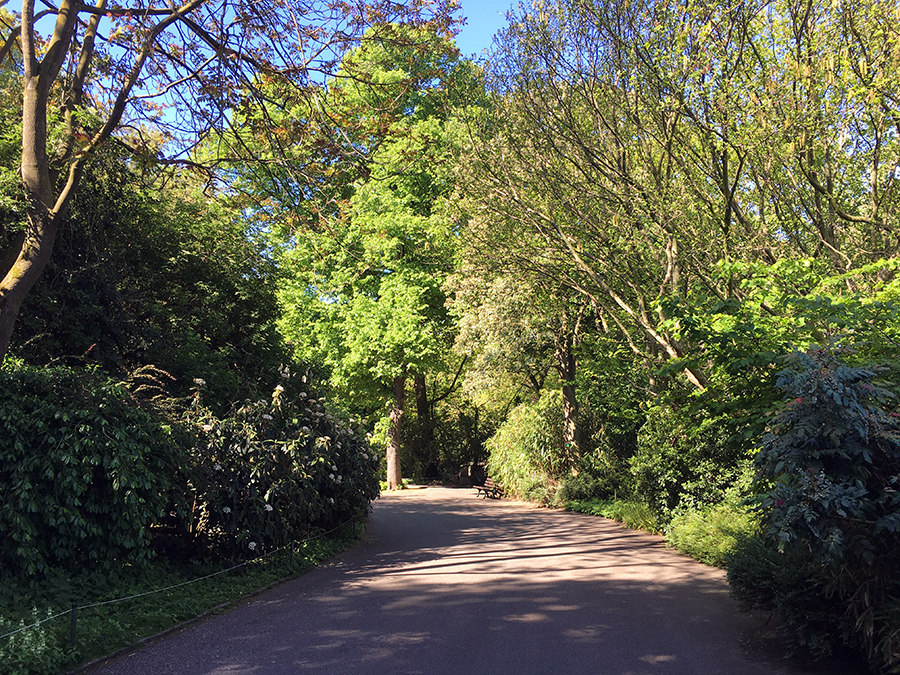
x: 634, y: 515
x: 103, y: 627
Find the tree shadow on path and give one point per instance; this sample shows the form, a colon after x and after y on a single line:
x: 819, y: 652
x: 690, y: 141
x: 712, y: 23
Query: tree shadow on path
x: 444, y: 583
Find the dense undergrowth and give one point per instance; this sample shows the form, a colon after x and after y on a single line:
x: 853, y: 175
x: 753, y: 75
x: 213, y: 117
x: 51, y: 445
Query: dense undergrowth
x: 106, y: 494
x: 102, y: 630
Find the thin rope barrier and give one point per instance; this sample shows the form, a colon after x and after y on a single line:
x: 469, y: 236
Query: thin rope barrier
x: 182, y: 583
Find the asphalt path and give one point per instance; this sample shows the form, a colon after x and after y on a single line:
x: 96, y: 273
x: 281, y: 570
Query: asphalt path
x: 444, y: 583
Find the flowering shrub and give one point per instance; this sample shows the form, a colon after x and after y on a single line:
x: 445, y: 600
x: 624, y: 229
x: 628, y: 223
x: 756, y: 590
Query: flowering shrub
x: 833, y: 459
x: 273, y: 469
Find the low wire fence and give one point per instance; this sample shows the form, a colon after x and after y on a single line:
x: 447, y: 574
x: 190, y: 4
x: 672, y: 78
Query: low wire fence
x: 73, y: 611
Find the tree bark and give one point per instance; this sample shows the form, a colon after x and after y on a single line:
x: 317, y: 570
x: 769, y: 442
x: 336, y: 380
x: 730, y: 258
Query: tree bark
x: 425, y: 432
x: 395, y: 427
x: 566, y: 366
x: 33, y: 257
x: 39, y: 76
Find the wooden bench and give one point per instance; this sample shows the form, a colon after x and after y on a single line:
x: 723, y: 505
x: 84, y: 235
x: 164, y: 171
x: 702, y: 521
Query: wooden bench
x: 490, y: 489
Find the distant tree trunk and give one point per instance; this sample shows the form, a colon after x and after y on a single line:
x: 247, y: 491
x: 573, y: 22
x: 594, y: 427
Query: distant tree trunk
x: 425, y: 432
x: 566, y: 366
x: 421, y: 397
x: 395, y: 427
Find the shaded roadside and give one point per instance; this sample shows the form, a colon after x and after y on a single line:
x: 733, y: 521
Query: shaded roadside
x: 447, y: 583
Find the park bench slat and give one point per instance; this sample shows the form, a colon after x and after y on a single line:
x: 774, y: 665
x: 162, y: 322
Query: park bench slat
x: 490, y: 489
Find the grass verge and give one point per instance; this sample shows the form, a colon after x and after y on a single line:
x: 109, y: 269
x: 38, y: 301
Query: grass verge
x: 635, y: 515
x: 105, y: 629
x: 710, y: 535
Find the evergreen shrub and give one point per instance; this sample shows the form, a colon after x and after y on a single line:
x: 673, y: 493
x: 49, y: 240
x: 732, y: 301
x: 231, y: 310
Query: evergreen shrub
x: 273, y: 470
x: 686, y: 460
x: 831, y: 463
x: 84, y: 471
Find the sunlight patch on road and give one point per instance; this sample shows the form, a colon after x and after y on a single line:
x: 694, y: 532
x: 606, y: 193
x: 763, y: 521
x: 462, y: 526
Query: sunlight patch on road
x: 530, y: 617
x: 587, y: 634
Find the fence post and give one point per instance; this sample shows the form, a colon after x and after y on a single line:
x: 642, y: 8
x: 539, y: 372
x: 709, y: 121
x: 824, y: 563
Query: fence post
x: 73, y: 625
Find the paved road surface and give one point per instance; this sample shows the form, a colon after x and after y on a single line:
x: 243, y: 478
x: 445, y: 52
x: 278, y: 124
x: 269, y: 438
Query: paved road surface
x: 444, y: 583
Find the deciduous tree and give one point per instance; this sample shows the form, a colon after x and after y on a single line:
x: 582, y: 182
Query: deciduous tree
x: 91, y: 73
x: 647, y: 144
x: 364, y: 290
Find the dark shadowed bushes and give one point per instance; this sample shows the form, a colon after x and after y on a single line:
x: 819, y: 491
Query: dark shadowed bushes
x: 273, y: 470
x: 687, y: 459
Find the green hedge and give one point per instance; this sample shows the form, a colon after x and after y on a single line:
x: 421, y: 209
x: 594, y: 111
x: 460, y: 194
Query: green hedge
x: 84, y: 472
x: 89, y: 479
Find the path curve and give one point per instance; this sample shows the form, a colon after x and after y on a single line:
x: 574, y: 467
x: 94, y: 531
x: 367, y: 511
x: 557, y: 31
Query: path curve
x: 444, y: 583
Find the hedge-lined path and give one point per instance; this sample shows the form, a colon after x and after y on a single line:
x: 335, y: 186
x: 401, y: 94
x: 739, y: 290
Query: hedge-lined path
x: 444, y: 583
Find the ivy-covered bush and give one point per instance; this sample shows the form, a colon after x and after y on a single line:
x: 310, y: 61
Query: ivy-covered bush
x: 84, y: 472
x: 832, y: 458
x: 274, y: 469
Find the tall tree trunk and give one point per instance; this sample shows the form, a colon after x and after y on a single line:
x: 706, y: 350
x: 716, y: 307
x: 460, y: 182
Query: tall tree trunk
x: 566, y: 366
x: 423, y: 415
x: 35, y: 247
x: 38, y: 78
x: 395, y: 428
x: 34, y: 254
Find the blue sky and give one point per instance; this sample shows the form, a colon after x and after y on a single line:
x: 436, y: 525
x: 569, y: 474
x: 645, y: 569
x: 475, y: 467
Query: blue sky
x: 485, y: 17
